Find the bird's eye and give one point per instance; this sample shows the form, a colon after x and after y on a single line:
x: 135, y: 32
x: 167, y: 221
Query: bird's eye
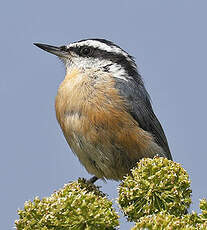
x: 85, y: 51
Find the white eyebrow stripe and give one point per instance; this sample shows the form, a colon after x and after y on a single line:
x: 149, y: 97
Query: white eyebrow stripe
x: 100, y: 45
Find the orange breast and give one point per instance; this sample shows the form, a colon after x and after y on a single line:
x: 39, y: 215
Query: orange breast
x: 96, y: 124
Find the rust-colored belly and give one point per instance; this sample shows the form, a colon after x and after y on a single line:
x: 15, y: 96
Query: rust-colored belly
x: 97, y: 126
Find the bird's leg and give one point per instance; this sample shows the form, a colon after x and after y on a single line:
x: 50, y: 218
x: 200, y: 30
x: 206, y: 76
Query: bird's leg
x: 93, y: 179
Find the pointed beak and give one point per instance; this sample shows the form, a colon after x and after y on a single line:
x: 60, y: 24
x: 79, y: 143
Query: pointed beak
x: 58, y: 51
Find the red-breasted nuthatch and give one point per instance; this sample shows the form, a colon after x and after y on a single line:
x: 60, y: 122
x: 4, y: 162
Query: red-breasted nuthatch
x: 104, y: 109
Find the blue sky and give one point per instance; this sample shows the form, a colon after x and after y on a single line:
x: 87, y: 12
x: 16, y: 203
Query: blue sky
x: 168, y: 40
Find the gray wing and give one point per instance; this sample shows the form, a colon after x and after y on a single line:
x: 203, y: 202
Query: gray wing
x: 140, y: 108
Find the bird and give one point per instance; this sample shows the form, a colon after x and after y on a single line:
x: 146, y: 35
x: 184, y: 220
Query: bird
x: 104, y: 109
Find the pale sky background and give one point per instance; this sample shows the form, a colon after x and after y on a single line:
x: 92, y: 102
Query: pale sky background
x: 168, y: 40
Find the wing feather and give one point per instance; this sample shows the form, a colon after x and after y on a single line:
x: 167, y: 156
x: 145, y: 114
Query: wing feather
x: 139, y: 106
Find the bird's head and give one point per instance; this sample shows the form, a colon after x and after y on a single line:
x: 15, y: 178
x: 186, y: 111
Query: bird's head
x: 97, y: 54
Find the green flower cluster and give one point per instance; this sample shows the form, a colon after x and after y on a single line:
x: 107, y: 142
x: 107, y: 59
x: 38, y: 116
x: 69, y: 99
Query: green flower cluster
x: 156, y: 195
x: 155, y: 185
x: 203, y: 207
x: 78, y: 205
x: 164, y: 221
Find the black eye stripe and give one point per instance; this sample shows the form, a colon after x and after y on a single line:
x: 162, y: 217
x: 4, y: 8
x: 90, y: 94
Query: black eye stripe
x: 81, y: 51
x: 86, y: 51
x: 96, y: 52
x: 126, y: 62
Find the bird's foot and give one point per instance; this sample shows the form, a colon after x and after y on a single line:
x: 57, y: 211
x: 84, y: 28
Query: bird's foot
x: 92, y: 179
